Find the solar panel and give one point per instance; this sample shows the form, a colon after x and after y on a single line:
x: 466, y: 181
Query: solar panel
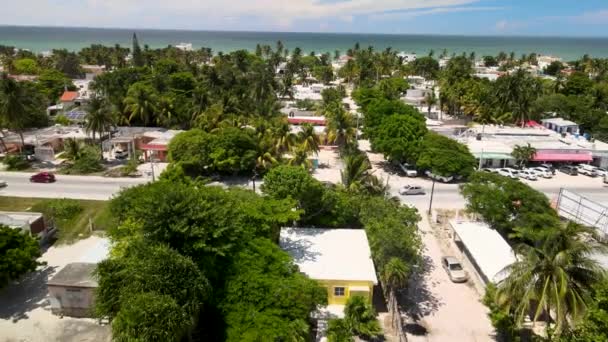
x: 76, y: 115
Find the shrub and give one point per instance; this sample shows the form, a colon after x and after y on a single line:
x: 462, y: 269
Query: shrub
x: 62, y: 120
x: 88, y: 160
x: 16, y: 163
x: 64, y: 208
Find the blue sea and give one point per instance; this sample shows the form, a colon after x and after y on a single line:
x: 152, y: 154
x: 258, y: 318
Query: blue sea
x: 40, y: 39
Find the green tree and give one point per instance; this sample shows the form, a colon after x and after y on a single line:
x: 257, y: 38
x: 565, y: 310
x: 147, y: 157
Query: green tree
x: 554, y: 68
x: 308, y: 139
x: 516, y: 93
x: 361, y: 318
x: 191, y: 150
x: 578, y: 83
x: 506, y: 203
x: 150, y: 316
x: 100, y: 117
x: 140, y: 103
x: 15, y: 105
x: 555, y: 277
x: 594, y: 326
x: 53, y: 83
x: 357, y: 175
x: 145, y: 268
x: 427, y: 67
x: 233, y: 150
x: 26, y: 66
x: 18, y: 254
x: 444, y: 156
x: 523, y: 154
x: 338, y: 331
x: 136, y: 53
x: 251, y: 314
x: 399, y: 137
x: 340, y: 128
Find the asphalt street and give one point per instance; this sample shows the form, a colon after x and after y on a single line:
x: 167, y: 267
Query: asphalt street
x: 76, y: 187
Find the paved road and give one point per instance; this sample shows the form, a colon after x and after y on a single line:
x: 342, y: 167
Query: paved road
x: 77, y: 187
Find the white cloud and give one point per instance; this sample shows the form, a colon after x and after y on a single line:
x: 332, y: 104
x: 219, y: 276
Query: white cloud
x: 506, y: 26
x: 401, y: 15
x: 172, y: 13
x: 598, y: 17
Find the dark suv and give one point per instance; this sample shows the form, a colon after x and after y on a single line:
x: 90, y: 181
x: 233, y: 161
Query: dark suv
x: 569, y: 170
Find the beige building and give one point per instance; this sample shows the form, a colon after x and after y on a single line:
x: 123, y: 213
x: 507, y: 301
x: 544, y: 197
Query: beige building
x: 72, y: 290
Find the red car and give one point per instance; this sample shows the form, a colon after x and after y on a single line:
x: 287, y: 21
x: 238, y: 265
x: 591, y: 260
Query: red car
x: 43, y: 177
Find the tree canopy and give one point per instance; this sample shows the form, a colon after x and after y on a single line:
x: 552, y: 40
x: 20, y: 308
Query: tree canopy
x: 18, y: 254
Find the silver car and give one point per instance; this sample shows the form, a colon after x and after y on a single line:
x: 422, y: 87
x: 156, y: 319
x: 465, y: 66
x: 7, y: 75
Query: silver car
x: 411, y: 190
x: 454, y: 269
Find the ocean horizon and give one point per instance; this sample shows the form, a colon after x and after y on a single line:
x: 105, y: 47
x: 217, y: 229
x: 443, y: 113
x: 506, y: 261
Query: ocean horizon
x: 41, y: 38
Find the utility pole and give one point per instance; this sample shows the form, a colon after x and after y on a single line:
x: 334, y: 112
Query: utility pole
x: 152, y: 166
x: 432, y: 193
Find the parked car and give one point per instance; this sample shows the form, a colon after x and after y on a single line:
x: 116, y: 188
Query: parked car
x: 408, y: 170
x: 527, y: 174
x: 542, y: 172
x: 601, y: 171
x: 549, y: 167
x: 508, y: 172
x: 411, y: 190
x: 569, y: 170
x: 454, y: 269
x: 586, y: 169
x: 487, y: 169
x: 606, y: 179
x: 119, y: 154
x: 43, y: 177
x: 442, y: 179
x: 3, y: 183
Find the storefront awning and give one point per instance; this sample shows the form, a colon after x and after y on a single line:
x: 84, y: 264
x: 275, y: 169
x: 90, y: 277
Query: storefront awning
x: 562, y: 157
x: 500, y: 156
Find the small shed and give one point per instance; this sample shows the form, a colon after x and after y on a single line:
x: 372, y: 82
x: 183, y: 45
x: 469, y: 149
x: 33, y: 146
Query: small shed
x: 72, y: 290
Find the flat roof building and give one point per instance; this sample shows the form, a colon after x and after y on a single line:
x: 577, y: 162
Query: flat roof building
x: 72, y: 290
x: 339, y: 259
x: 484, y: 248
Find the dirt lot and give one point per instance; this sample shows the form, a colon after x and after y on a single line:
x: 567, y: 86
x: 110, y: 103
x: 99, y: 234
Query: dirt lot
x: 25, y: 314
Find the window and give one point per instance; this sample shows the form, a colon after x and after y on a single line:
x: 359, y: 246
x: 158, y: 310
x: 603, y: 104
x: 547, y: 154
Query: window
x: 338, y: 291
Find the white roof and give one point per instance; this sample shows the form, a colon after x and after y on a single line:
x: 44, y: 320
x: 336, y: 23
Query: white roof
x: 330, y: 254
x: 560, y: 122
x: 488, y: 249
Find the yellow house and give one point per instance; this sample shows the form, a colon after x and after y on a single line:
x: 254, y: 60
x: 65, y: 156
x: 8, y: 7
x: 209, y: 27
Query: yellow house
x: 339, y: 259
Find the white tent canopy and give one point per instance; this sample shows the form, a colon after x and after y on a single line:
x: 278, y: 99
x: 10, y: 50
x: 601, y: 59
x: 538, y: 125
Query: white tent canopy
x: 489, y: 251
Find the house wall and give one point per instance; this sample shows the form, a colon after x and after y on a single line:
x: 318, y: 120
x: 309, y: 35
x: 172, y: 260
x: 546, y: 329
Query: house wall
x: 73, y: 301
x: 341, y: 300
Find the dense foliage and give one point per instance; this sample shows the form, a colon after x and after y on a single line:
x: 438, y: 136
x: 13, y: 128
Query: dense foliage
x: 18, y: 254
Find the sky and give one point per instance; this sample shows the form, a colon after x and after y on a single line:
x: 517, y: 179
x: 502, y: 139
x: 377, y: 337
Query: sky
x: 464, y: 17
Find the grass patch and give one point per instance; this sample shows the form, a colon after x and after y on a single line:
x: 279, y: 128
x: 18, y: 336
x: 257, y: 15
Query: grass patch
x: 72, y: 217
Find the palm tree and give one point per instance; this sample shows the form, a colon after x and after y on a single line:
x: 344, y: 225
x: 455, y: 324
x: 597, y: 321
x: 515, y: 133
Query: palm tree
x: 340, y: 127
x: 13, y: 105
x: 308, y: 138
x: 394, y: 276
x: 265, y: 161
x: 72, y: 149
x: 284, y: 138
x: 356, y: 175
x: 523, y: 154
x: 554, y: 277
x: 430, y: 99
x: 100, y: 116
x: 140, y: 102
x: 299, y: 157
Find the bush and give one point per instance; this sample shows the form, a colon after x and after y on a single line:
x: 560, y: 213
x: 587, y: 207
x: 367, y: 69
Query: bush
x: 62, y: 120
x: 87, y: 161
x: 16, y: 163
x: 360, y: 317
x: 64, y: 208
x: 338, y: 331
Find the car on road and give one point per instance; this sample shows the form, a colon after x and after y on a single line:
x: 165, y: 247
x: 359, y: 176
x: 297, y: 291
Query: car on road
x: 586, y: 169
x: 527, y: 174
x: 569, y: 170
x: 43, y: 177
x: 487, y: 169
x: 411, y: 190
x: 3, y: 183
x: 508, y: 172
x: 454, y: 269
x: 542, y: 172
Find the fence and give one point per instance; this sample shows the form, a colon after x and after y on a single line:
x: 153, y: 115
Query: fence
x: 577, y: 208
